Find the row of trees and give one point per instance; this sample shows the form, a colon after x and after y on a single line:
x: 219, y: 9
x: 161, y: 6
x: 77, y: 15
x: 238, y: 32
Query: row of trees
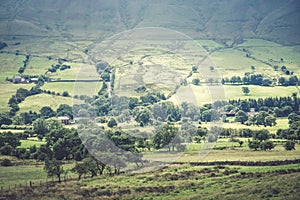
x: 27, y: 118
x: 259, y: 79
x: 293, y: 132
x: 25, y: 64
x: 124, y: 109
x: 61, y: 67
x: 283, y: 105
x: 21, y: 94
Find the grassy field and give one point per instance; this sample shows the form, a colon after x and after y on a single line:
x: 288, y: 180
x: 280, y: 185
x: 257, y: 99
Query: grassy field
x: 235, y: 92
x: 232, y: 62
x: 176, y: 182
x: 28, y: 143
x: 272, y: 52
x: 232, y: 152
x: 22, y: 174
x: 7, y: 90
x: 74, y: 88
x: 39, y: 66
x: 210, y: 45
x: 242, y: 154
x: 78, y: 71
x: 282, y: 123
x: 11, y: 130
x: 208, y: 94
x: 36, y: 102
x: 10, y: 64
x: 172, y: 181
x: 228, y: 62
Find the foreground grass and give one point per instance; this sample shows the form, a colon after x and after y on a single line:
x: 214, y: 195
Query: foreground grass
x: 16, y: 175
x: 178, y: 182
x: 28, y: 171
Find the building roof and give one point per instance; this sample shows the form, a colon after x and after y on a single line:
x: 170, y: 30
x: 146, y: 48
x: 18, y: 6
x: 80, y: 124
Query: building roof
x: 63, y: 118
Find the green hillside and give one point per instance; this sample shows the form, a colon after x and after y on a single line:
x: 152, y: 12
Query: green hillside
x: 201, y: 19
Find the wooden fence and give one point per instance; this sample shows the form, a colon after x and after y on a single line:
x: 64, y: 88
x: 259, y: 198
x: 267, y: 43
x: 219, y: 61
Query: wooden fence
x: 37, y: 183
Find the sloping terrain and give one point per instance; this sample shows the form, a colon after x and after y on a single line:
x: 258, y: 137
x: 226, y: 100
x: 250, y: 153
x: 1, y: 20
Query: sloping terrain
x: 273, y: 20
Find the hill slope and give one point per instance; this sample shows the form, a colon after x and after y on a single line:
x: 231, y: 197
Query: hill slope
x: 235, y: 19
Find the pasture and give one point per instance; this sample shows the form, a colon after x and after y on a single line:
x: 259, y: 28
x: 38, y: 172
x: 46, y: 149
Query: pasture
x: 282, y: 123
x: 22, y: 174
x: 7, y: 90
x: 36, y: 102
x: 232, y: 62
x: 173, y: 68
x: 209, y: 93
x: 31, y: 142
x: 238, y: 154
x: 74, y: 88
x: 174, y: 182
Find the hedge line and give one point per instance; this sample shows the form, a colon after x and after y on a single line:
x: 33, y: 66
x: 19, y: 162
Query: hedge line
x: 243, y: 163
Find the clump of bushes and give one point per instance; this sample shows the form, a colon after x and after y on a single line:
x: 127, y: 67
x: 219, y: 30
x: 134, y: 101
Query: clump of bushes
x: 6, y: 162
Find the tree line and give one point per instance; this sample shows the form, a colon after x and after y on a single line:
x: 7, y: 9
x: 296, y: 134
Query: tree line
x: 259, y: 79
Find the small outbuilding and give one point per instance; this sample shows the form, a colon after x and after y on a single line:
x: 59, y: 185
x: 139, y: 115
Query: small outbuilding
x: 252, y: 112
x: 64, y: 119
x: 228, y: 114
x: 17, y: 79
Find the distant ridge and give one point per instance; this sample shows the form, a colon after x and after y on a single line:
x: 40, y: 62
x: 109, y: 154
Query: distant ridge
x: 276, y: 20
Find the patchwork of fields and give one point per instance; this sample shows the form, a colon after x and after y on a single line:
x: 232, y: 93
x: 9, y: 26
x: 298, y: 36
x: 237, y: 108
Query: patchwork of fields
x: 159, y: 71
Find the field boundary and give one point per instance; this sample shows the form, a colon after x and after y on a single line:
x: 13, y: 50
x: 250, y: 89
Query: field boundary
x: 242, y: 163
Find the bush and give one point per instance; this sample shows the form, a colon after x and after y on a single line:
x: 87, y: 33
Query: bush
x: 289, y: 145
x: 6, y: 162
x: 196, y: 81
x: 112, y: 123
x: 102, y: 120
x: 65, y: 94
x: 6, y: 150
x: 254, y: 144
x: 212, y: 138
x: 267, y: 145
